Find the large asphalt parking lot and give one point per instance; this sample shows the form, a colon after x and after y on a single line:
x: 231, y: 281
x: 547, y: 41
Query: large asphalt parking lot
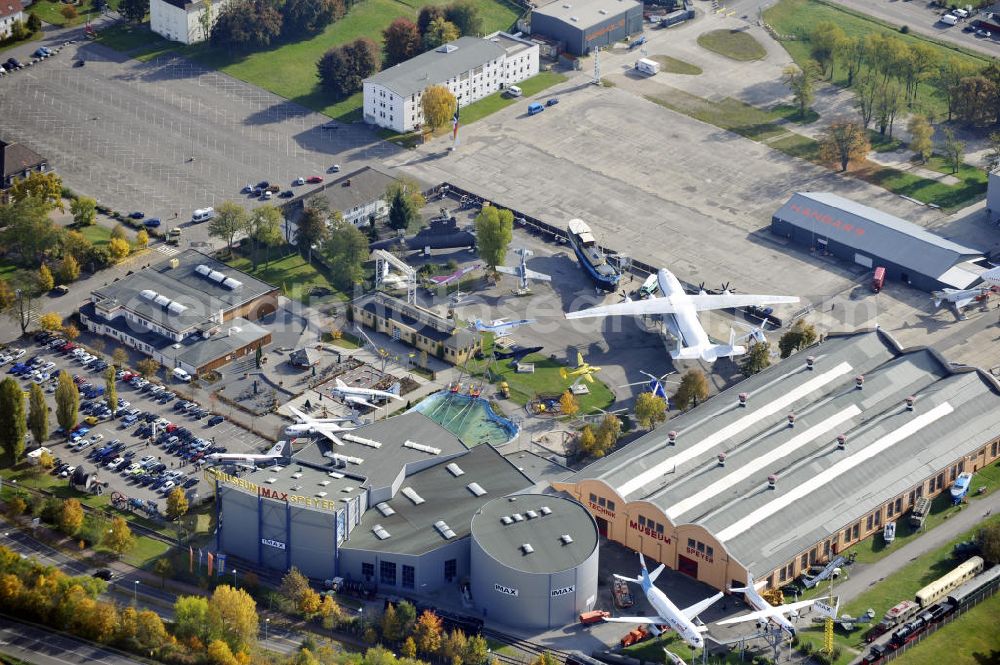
x: 125, y: 131
x: 233, y: 437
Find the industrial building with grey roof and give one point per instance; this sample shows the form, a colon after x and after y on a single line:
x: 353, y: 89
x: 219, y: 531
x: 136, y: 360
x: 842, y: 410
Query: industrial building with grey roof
x: 796, y: 463
x: 392, y: 504
x: 862, y: 235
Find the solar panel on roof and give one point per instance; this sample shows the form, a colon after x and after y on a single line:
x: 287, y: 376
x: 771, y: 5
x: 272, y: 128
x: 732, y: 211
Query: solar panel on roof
x: 476, y: 489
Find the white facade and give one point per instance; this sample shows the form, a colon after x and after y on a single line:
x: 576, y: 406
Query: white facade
x: 181, y: 20
x: 7, y: 19
x: 395, y: 104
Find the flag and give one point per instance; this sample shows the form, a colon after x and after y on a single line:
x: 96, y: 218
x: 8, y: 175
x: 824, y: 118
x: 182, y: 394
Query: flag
x: 454, y: 125
x: 211, y: 562
x: 201, y: 554
x: 190, y: 559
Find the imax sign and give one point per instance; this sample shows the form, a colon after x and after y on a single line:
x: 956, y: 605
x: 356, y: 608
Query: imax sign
x: 563, y: 591
x: 510, y: 591
x: 276, y: 544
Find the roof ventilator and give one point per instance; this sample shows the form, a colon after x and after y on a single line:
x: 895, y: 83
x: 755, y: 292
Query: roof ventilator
x: 859, y: 381
x: 909, y: 402
x: 810, y: 361
x: 791, y: 420
x: 722, y: 459
x: 743, y: 399
x: 671, y: 438
x: 772, y: 481
x: 841, y: 442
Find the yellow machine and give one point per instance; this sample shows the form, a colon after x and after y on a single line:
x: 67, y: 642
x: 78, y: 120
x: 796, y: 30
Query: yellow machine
x: 583, y: 370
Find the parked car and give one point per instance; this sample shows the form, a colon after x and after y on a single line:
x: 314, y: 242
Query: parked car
x: 314, y: 180
x: 215, y: 420
x: 103, y: 574
x: 137, y: 215
x: 152, y: 223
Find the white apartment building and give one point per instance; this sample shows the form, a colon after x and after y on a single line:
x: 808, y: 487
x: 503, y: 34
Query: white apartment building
x: 181, y: 20
x: 10, y: 11
x: 470, y: 67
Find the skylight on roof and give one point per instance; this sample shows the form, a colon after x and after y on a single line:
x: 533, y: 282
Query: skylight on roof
x: 545, y: 510
x: 530, y: 514
x: 412, y: 495
x: 271, y: 480
x: 161, y: 300
x: 232, y: 284
x: 455, y: 470
x: 335, y: 474
x: 518, y: 517
x: 527, y: 548
x: 148, y: 294
x: 476, y: 489
x: 446, y: 48
x: 566, y: 539
x: 203, y: 270
x: 380, y: 532
x: 506, y: 519
x: 321, y: 494
x: 385, y: 509
x: 421, y: 447
x: 444, y: 529
x: 362, y: 440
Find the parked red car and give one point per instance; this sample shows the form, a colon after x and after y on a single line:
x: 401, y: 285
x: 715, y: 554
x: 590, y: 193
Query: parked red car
x: 128, y: 376
x: 171, y: 427
x: 313, y: 180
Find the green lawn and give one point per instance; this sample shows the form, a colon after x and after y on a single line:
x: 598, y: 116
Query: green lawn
x: 137, y: 40
x: 675, y: 66
x: 289, y: 69
x: 96, y: 234
x: 293, y: 275
x: 734, y: 44
x: 546, y: 379
x: 975, y: 631
x: 901, y: 585
x: 49, y: 11
x: 146, y: 550
x: 797, y: 18
x: 10, y: 45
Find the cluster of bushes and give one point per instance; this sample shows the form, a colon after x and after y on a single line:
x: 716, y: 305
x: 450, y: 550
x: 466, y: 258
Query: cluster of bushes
x: 21, y: 30
x: 248, y: 24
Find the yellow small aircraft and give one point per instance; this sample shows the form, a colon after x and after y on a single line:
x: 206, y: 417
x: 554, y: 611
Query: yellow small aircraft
x: 583, y: 370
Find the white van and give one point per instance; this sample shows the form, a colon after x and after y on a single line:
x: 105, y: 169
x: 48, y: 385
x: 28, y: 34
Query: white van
x: 960, y: 13
x: 949, y: 19
x: 181, y: 375
x: 514, y: 91
x: 203, y: 214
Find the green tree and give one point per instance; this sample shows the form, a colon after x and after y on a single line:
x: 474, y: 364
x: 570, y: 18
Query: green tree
x: 427, y: 633
x: 824, y: 42
x: 569, y: 405
x: 71, y: 517
x: 438, y: 106
x: 293, y: 587
x: 692, y: 389
x: 230, y: 219
x: 347, y: 250
x: 992, y: 158
x: 312, y: 228
x: 247, y: 24
x: 844, y: 141
x: 407, y: 615
x: 947, y: 79
x: 464, y: 15
x: 427, y: 15
x: 494, y: 231
x: 164, y: 569
x: 342, y: 69
x: 799, y: 336
x: 111, y: 390
x: 177, y: 504
x: 13, y: 425
x: 440, y: 31
x: 119, y: 538
x: 953, y: 150
x: 309, y: 17
x: 69, y: 269
x: 402, y: 41
x: 988, y: 539
x: 67, y: 402
x: 147, y: 367
x: 477, y: 651
x: 119, y: 357
x: 233, y: 612
x: 757, y: 358
x: 391, y: 629
x: 887, y: 102
x: 43, y: 187
x: 27, y: 232
x: 608, y: 432
x: 46, y: 282
x: 150, y: 632
x: 84, y: 210
x: 191, y: 618
x: 119, y: 232
x: 921, y: 133
x: 801, y: 84
x: 38, y: 414
x: 264, y: 228
x: 650, y: 409
x: 404, y: 208
x: 134, y: 11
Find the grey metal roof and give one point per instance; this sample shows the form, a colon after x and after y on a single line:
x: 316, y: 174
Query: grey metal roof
x: 297, y: 479
x: 351, y: 190
x: 586, y: 12
x: 304, y: 357
x: 873, y: 231
x: 437, y: 66
x: 820, y: 488
x: 384, y: 465
x: 546, y: 532
x: 424, y: 321
x: 445, y: 498
x: 202, y: 298
x: 235, y: 334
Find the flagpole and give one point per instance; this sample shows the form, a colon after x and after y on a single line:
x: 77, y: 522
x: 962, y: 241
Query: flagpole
x: 454, y: 127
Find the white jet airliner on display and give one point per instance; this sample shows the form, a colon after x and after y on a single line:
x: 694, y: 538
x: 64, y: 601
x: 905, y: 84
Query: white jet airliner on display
x: 500, y: 327
x: 680, y: 621
x: 963, y: 297
x: 765, y: 611
x: 326, y: 426
x: 680, y: 316
x: 354, y: 395
x: 273, y: 455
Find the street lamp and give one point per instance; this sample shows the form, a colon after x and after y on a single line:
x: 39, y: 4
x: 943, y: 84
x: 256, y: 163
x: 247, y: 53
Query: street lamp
x: 234, y: 578
x: 135, y: 592
x: 267, y: 622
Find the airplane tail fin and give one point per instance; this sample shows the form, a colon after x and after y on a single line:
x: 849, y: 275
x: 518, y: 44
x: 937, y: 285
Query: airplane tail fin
x: 563, y: 373
x: 277, y: 449
x: 716, y: 351
x: 395, y: 388
x: 636, y: 580
x: 341, y: 384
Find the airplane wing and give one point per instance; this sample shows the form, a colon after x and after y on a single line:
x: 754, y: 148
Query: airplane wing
x: 630, y: 308
x: 509, y: 270
x: 354, y: 399
x: 298, y: 414
x: 698, y: 608
x: 766, y: 614
x: 330, y: 435
x: 542, y: 277
x: 656, y: 621
x: 588, y: 377
x: 731, y: 300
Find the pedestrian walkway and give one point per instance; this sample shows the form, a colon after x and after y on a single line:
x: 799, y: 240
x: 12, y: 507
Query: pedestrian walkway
x: 169, y: 250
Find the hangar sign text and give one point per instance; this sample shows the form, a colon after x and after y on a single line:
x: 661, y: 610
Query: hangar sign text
x: 510, y: 591
x: 563, y: 591
x: 276, y: 544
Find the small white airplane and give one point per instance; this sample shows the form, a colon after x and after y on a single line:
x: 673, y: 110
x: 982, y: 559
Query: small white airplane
x: 680, y: 316
x: 673, y: 658
x: 308, y: 425
x: 357, y: 395
x: 501, y: 327
x: 522, y: 272
x: 765, y: 611
x: 963, y: 297
x: 680, y: 621
x: 273, y: 455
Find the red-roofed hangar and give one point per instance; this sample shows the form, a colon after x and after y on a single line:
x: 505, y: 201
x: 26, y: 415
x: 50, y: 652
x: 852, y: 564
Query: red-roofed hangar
x: 856, y: 233
x: 797, y: 463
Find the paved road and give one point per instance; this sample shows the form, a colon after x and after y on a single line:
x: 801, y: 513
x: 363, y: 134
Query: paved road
x: 864, y: 576
x: 37, y: 645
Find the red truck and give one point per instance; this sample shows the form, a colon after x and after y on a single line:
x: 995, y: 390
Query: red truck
x: 878, y: 279
x: 595, y: 616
